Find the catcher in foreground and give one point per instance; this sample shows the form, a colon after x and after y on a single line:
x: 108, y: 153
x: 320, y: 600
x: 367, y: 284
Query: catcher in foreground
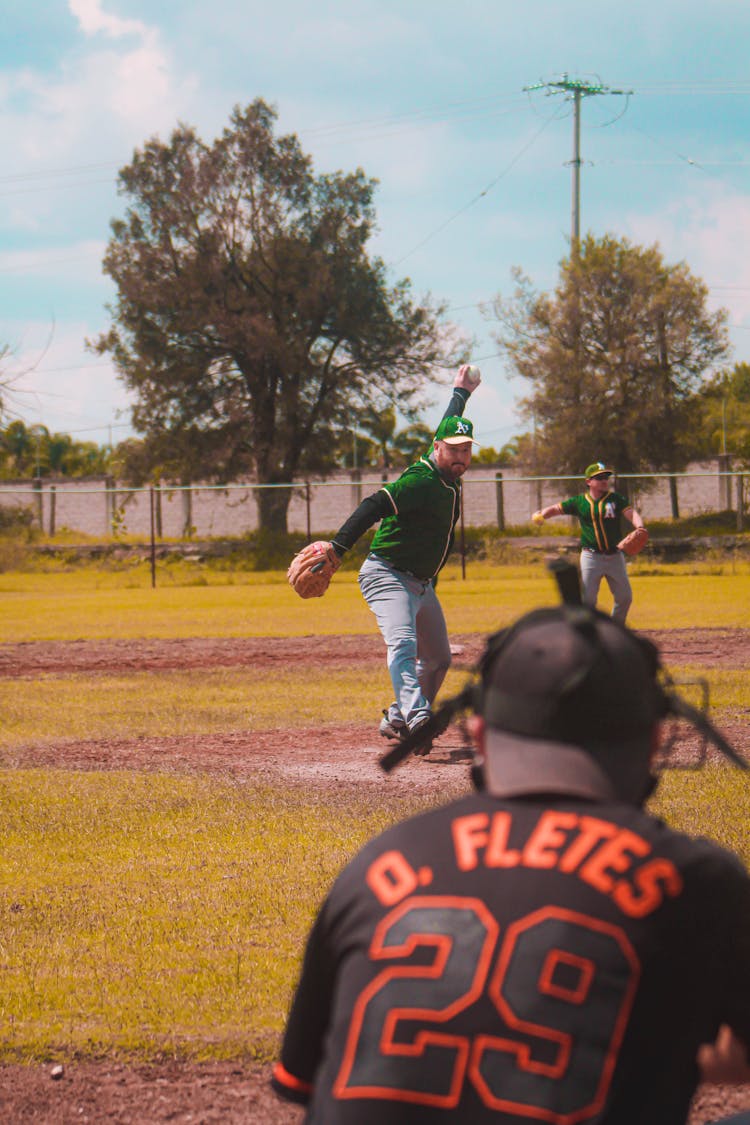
x: 544, y: 949
x: 603, y: 549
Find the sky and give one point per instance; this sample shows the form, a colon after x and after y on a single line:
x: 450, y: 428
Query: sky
x: 429, y: 98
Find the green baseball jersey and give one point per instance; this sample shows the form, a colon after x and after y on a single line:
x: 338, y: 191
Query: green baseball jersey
x: 599, y: 519
x: 418, y: 534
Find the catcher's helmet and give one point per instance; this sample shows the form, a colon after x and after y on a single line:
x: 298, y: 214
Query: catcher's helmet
x: 570, y: 701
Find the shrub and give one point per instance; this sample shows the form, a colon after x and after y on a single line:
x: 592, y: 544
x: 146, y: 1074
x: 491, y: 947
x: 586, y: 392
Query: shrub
x: 16, y: 520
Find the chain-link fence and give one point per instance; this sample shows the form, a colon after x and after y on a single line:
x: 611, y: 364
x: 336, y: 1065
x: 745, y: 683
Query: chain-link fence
x: 503, y: 498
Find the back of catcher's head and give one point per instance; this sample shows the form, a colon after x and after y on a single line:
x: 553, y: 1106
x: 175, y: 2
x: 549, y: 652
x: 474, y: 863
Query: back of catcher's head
x: 570, y: 702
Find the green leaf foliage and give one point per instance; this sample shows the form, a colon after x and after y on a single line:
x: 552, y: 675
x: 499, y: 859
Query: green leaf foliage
x: 614, y: 358
x: 27, y: 451
x: 251, y: 321
x: 723, y: 415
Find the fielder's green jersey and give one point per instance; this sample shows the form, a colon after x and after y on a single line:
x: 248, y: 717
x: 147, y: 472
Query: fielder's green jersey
x: 418, y: 535
x: 599, y: 519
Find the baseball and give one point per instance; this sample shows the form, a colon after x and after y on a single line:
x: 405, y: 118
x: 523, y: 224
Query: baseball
x: 473, y: 375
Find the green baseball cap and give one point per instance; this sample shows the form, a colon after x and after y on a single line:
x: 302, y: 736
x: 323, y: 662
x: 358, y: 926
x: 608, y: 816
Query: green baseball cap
x: 594, y: 469
x: 455, y: 430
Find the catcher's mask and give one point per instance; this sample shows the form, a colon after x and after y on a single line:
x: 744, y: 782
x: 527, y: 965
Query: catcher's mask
x: 570, y: 701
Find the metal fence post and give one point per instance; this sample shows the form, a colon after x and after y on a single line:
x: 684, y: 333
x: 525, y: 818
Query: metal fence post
x: 37, y: 486
x: 674, y: 499
x: 187, y: 512
x: 152, y: 509
x: 52, y: 499
x: 740, y: 502
x: 109, y: 505
x: 500, y: 500
x: 307, y: 509
x: 725, y: 482
x: 356, y: 479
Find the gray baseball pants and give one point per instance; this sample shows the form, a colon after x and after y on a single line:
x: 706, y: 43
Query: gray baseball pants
x: 412, y: 623
x: 594, y: 567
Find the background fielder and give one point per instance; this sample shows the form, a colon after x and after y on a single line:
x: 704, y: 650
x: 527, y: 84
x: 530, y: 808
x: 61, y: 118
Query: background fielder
x: 599, y: 512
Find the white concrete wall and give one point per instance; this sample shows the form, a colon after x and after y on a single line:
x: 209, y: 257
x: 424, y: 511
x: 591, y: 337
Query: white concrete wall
x: 97, y: 507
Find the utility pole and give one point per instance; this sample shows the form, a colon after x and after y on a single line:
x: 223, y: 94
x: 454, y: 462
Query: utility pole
x: 576, y: 90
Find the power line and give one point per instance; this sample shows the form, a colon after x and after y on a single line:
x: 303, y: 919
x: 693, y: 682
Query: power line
x: 417, y: 117
x: 575, y: 90
x: 476, y: 198
x: 55, y: 187
x: 698, y: 89
x: 50, y: 173
x: 46, y: 263
x: 489, y: 105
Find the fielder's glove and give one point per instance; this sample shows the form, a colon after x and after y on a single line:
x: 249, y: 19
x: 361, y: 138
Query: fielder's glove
x: 311, y: 570
x: 634, y: 543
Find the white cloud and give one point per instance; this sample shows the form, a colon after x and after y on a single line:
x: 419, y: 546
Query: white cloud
x: 710, y: 233
x: 80, y: 261
x: 93, y: 20
x: 56, y: 382
x: 103, y: 99
x: 135, y: 84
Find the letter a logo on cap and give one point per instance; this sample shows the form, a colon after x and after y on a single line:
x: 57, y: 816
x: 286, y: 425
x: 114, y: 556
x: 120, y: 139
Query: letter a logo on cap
x: 455, y: 430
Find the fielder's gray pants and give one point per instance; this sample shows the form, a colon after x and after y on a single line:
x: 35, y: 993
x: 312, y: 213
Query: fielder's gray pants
x: 594, y: 567
x: 411, y: 620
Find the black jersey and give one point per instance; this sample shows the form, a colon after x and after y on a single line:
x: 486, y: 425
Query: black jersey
x: 517, y: 962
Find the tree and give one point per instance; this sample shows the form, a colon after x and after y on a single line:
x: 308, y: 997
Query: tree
x: 34, y: 451
x: 4, y: 378
x: 412, y: 442
x: 508, y: 454
x: 250, y: 321
x: 723, y: 414
x: 380, y: 425
x: 615, y: 356
x: 17, y: 444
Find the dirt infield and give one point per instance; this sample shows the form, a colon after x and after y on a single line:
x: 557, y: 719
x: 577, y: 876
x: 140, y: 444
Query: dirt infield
x: 333, y: 758
x: 728, y: 647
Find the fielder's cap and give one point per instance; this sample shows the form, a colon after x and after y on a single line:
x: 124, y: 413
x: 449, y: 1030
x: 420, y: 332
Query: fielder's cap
x: 569, y: 698
x: 455, y: 430
x: 595, y: 468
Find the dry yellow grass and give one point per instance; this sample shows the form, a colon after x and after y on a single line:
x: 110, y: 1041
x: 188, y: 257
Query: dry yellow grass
x: 76, y: 605
x: 143, y: 915
x: 151, y: 914
x: 59, y: 708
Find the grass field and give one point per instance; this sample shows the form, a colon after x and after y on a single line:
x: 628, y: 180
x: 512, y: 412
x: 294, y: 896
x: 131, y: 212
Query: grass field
x: 111, y: 604
x: 158, y: 914
x: 212, y: 701
x: 151, y: 916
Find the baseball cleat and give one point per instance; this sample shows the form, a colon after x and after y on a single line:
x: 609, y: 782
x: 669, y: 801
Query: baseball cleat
x: 423, y: 748
x: 392, y: 729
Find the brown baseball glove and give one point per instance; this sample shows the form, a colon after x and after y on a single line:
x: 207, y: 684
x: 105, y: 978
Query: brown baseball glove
x: 634, y: 543
x: 311, y: 570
